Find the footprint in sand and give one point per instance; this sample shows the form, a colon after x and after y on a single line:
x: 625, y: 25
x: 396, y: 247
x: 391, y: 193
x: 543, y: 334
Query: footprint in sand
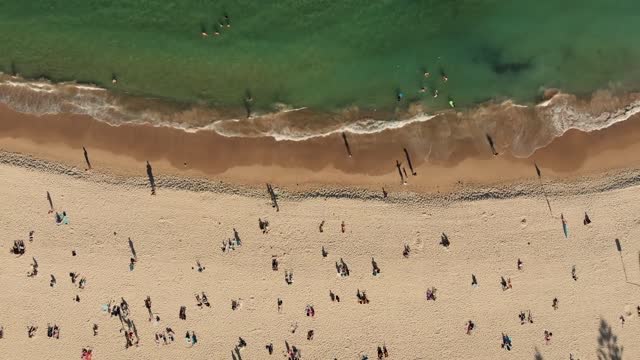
x: 418, y: 243
x: 162, y: 220
x: 486, y: 216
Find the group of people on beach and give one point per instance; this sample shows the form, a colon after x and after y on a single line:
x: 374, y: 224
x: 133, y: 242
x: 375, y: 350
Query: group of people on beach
x: 121, y: 309
x: 231, y: 243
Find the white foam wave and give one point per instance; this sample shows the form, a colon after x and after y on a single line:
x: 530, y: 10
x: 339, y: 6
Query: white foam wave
x: 560, y: 113
x: 363, y: 126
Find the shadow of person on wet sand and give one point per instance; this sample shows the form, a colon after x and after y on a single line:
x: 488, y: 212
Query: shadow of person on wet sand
x: 608, y: 348
x: 537, y: 355
x: 152, y: 180
x: 86, y: 158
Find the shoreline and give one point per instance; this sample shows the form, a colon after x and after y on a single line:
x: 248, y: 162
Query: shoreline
x: 528, y: 188
x: 318, y: 162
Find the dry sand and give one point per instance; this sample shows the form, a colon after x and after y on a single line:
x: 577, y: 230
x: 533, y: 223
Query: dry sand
x: 176, y: 227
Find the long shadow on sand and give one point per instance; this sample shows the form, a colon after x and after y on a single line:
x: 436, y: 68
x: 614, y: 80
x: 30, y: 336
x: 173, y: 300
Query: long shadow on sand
x: 608, y: 348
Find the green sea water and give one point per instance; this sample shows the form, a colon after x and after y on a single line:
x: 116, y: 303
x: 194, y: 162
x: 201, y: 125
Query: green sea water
x: 327, y: 54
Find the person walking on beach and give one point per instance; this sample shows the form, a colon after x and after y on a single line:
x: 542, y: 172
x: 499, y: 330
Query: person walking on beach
x: 346, y: 143
x: 374, y: 265
x: 503, y: 283
x: 491, y: 144
x: 402, y: 181
x: 152, y: 180
x: 86, y: 158
x: 444, y: 240
x: 406, y: 153
x: 50, y: 203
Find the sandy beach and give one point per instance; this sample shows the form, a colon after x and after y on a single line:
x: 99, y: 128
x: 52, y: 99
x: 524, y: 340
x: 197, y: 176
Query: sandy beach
x: 308, y: 180
x: 175, y: 228
x: 506, y: 227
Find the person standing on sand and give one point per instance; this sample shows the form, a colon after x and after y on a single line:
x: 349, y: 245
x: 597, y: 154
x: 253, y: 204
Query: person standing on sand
x: 469, y: 327
x: 506, y: 342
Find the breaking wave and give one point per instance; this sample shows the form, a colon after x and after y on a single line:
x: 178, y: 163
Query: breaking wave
x: 519, y: 128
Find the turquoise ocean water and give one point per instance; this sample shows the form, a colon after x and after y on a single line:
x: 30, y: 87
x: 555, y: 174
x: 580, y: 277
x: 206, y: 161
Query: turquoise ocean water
x: 327, y: 54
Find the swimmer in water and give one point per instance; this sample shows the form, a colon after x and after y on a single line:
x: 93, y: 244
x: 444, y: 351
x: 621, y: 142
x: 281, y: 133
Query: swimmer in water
x: 427, y: 74
x: 435, y: 93
x: 451, y: 103
x: 423, y: 89
x: 400, y: 96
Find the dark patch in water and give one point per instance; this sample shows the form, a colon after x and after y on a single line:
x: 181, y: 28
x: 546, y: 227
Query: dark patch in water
x: 495, y: 59
x: 511, y: 67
